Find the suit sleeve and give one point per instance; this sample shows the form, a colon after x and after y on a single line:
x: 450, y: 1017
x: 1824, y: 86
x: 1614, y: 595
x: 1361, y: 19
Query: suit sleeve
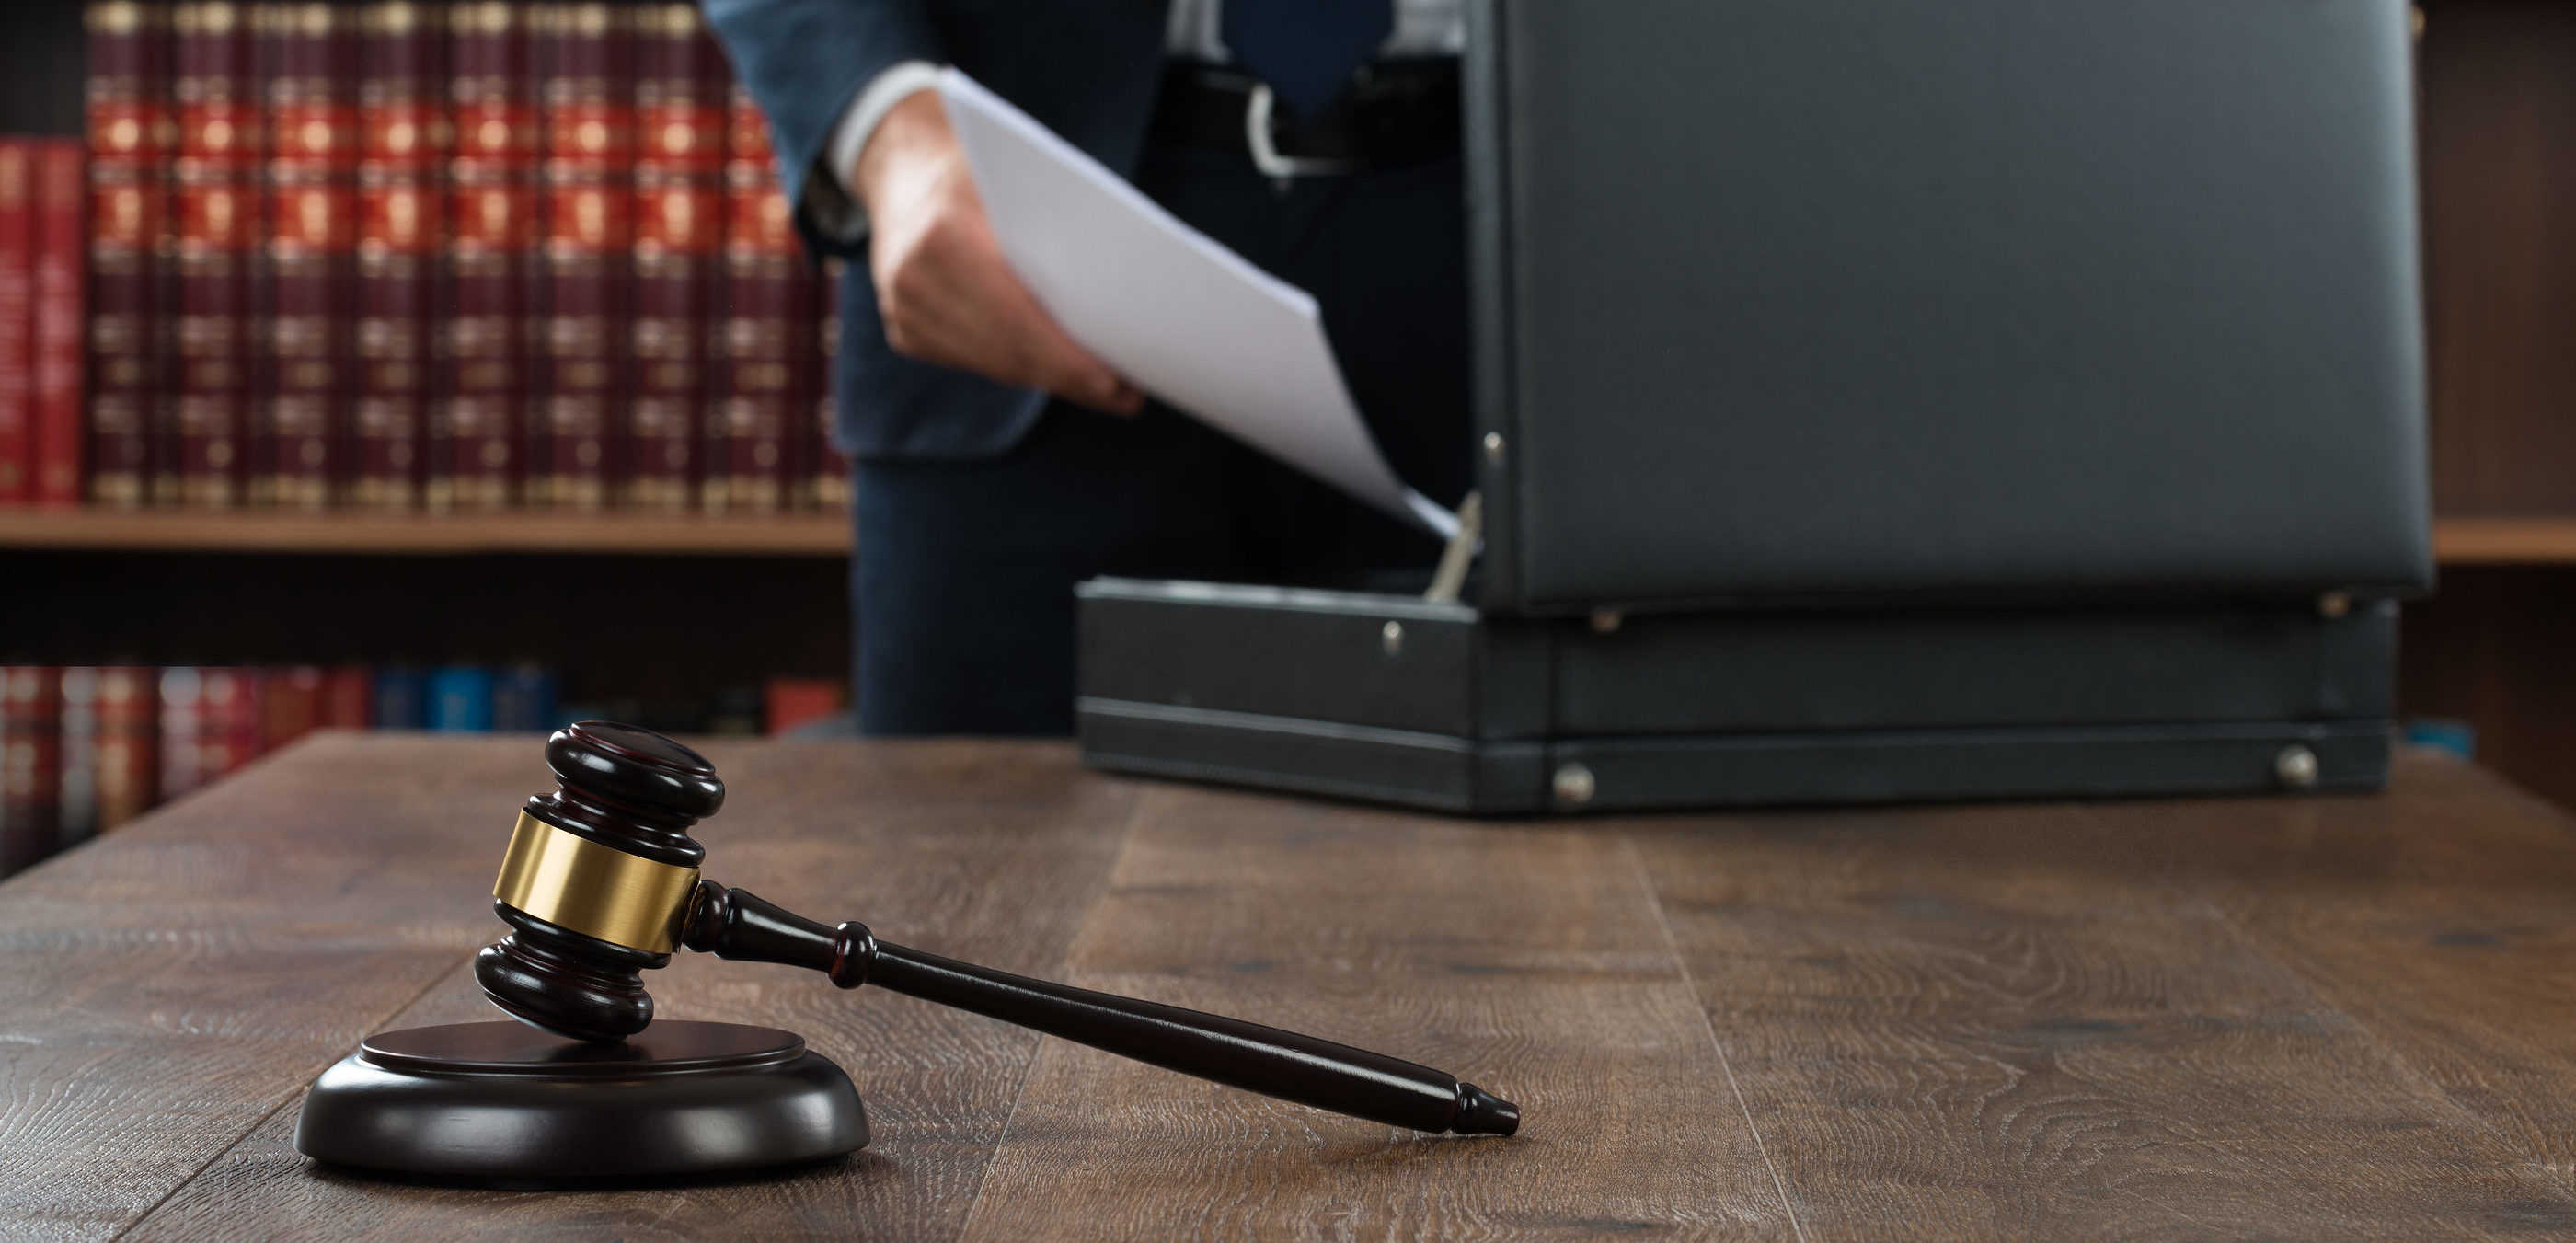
x: 805, y: 61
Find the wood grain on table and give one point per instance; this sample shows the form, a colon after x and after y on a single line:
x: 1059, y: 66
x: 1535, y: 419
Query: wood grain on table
x: 2331, y: 1018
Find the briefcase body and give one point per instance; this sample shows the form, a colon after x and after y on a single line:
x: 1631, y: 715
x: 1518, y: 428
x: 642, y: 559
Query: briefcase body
x: 1877, y: 401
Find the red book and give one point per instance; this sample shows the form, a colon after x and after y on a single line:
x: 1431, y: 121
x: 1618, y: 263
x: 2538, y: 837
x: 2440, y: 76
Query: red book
x: 290, y: 705
x: 348, y: 698
x: 30, y: 733
x: 680, y: 87
x: 210, y: 725
x: 62, y: 316
x: 311, y: 208
x: 233, y: 718
x: 217, y: 208
x: 475, y: 433
x: 583, y: 57
x: 767, y: 331
x: 106, y: 748
x: 129, y: 342
x: 402, y: 142
x: 794, y: 701
x: 17, y: 320
x: 128, y: 734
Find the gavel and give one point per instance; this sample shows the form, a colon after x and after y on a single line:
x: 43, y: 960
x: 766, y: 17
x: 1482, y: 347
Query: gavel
x: 600, y: 884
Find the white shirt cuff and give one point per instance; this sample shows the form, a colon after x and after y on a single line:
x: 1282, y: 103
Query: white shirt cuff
x: 829, y: 198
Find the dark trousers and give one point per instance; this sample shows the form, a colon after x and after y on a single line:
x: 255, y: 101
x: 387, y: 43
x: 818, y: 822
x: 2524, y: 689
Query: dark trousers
x: 962, y: 581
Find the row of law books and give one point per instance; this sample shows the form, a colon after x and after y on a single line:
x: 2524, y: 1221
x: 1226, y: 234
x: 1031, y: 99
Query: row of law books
x: 432, y: 257
x: 84, y: 749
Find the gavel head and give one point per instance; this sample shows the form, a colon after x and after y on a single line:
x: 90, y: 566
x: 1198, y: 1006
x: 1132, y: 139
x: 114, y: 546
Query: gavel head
x: 597, y: 880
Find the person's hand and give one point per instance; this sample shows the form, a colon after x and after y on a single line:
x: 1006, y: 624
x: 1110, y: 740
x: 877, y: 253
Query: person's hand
x: 946, y: 292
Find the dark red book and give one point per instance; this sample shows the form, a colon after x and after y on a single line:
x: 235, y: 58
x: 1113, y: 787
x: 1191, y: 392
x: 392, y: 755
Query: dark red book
x: 348, y: 698
x: 30, y: 733
x: 17, y: 320
x: 62, y: 318
x: 106, y: 749
x: 827, y: 473
x: 680, y: 89
x: 127, y: 743
x: 583, y: 52
x: 210, y: 725
x: 475, y: 437
x: 290, y: 705
x: 130, y: 134
x: 302, y: 420
x: 767, y: 329
x: 402, y: 146
x: 217, y: 209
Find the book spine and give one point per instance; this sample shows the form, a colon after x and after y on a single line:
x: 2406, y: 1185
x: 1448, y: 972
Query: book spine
x: 748, y: 443
x: 30, y: 733
x: 402, y: 141
x: 680, y: 91
x: 128, y: 733
x: 586, y: 93
x: 826, y: 475
x: 400, y: 699
x: 17, y: 320
x: 523, y: 699
x: 76, y: 784
x: 290, y: 705
x: 347, y: 698
x: 792, y: 472
x: 129, y: 139
x: 182, y: 711
x: 62, y: 316
x: 460, y: 699
x: 475, y: 433
x: 312, y: 243
x: 218, y: 209
x: 232, y: 719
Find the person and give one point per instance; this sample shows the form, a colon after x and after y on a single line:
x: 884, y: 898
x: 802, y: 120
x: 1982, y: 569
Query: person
x: 996, y: 462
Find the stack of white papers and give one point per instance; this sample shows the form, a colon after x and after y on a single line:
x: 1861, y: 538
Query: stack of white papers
x: 1168, y: 307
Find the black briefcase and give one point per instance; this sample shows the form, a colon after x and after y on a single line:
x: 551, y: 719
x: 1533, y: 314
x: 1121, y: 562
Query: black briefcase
x: 1985, y: 399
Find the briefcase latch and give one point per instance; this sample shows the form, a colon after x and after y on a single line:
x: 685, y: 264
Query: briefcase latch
x: 1461, y: 552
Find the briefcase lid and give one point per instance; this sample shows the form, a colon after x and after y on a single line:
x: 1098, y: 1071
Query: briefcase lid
x: 1849, y: 300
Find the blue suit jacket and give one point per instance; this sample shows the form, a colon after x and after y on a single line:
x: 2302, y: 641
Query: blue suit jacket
x: 1087, y: 68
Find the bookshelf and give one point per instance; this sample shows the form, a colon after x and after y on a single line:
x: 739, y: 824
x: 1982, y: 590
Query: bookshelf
x: 2457, y: 542
x: 408, y: 535
x: 2505, y: 541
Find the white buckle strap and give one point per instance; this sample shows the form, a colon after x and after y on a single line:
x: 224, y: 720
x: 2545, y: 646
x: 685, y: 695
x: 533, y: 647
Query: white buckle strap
x: 1266, y: 157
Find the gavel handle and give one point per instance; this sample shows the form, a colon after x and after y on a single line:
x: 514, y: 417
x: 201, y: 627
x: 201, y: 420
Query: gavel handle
x: 1309, y: 1070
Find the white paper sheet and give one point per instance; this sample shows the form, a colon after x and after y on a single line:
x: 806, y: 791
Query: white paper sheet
x: 1168, y: 307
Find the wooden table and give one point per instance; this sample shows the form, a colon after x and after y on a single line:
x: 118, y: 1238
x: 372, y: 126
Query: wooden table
x: 2335, y: 1018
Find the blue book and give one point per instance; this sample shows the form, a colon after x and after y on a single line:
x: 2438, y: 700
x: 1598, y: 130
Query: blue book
x: 402, y: 698
x: 523, y: 700
x: 460, y: 699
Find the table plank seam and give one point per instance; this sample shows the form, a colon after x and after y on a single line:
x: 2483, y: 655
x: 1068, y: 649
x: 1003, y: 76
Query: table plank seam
x: 1699, y: 1003
x: 1037, y: 1043
x: 256, y: 1124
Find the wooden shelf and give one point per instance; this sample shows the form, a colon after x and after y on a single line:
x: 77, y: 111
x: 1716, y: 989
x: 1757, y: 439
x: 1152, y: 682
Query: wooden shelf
x: 2505, y: 541
x: 2456, y: 541
x: 615, y: 534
